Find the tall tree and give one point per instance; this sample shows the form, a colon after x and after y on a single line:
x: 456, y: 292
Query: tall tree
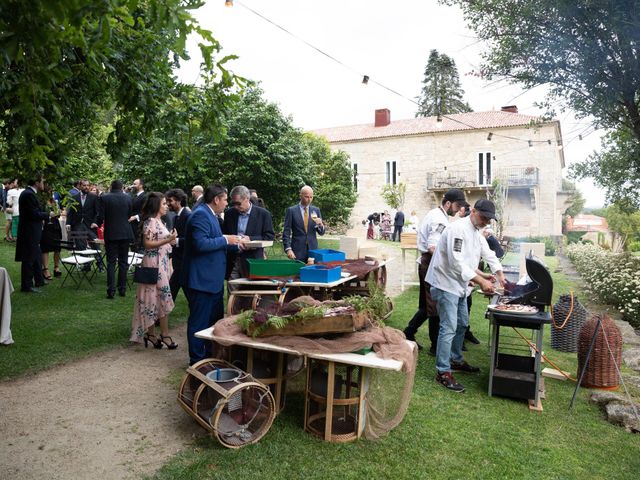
x: 331, y: 177
x: 586, y: 51
x: 576, y: 201
x: 441, y: 91
x: 62, y: 62
x: 616, y: 168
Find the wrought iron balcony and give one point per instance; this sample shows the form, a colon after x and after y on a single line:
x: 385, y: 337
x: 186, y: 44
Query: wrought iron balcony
x: 514, y: 177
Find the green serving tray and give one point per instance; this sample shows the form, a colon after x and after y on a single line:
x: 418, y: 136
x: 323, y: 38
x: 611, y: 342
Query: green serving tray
x: 260, y: 268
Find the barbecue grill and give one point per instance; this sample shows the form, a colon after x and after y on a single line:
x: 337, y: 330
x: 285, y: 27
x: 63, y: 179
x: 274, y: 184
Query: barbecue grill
x: 515, y: 367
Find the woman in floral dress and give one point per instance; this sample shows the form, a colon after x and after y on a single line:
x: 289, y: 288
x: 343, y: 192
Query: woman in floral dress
x: 154, y: 302
x: 385, y: 226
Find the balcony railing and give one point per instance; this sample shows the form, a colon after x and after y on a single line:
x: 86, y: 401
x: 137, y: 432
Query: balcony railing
x: 514, y: 177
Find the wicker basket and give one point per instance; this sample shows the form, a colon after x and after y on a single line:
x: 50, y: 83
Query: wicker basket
x: 565, y: 339
x: 601, y: 370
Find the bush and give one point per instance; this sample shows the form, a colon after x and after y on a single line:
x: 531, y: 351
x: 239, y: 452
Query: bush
x: 614, y: 278
x: 634, y: 246
x: 549, y: 243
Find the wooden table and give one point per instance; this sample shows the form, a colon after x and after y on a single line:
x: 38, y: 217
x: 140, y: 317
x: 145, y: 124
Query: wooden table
x: 327, y: 402
x: 254, y: 290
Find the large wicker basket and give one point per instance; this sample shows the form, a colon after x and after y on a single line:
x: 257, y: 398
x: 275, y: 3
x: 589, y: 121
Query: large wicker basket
x: 568, y: 318
x: 601, y: 370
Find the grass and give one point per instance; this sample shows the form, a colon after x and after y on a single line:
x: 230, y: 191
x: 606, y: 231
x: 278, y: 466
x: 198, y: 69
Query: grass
x: 444, y: 435
x: 65, y: 324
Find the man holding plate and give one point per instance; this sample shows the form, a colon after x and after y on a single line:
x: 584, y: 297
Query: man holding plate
x: 454, y: 265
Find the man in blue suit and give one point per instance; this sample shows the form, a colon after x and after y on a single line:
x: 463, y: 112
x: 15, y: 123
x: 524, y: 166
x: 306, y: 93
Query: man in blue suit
x: 301, y: 223
x: 203, y: 268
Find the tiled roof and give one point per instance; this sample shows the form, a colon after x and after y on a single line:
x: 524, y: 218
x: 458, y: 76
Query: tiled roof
x: 421, y: 125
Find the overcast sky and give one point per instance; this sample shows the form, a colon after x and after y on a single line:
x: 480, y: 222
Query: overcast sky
x: 388, y: 41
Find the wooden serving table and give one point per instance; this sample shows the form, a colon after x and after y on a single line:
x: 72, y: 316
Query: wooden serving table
x: 253, y: 290
x: 333, y: 413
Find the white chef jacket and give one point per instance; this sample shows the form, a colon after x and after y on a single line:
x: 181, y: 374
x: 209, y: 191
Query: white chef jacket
x: 457, y: 257
x: 431, y: 228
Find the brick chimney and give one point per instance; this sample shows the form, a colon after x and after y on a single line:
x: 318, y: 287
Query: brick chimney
x: 383, y: 117
x: 510, y: 109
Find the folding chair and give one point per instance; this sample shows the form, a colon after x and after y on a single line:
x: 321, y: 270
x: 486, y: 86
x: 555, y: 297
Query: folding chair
x: 76, y: 266
x: 87, y: 248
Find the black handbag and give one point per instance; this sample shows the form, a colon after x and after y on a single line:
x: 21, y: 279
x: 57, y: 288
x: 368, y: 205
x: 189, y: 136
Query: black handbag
x: 146, y: 275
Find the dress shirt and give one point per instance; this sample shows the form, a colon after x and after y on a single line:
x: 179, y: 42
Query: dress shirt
x: 431, y: 228
x: 243, y: 220
x: 217, y: 218
x: 457, y: 256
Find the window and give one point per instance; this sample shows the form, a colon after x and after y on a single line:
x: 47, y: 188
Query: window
x: 354, y: 168
x: 484, y: 168
x: 391, y: 175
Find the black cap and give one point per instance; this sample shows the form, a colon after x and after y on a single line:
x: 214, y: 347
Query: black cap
x: 454, y: 195
x: 486, y: 208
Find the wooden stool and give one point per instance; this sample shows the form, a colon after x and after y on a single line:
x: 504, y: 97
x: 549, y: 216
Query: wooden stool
x: 334, y: 407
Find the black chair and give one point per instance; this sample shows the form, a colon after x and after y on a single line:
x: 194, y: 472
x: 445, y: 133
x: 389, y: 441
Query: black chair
x: 76, y: 266
x: 85, y: 246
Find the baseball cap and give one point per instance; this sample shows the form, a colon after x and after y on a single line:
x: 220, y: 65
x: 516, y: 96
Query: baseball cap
x: 486, y: 208
x: 454, y: 195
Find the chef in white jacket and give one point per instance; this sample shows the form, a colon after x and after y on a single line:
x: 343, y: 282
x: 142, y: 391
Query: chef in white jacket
x: 453, y: 266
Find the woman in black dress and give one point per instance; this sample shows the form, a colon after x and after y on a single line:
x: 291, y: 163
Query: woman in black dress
x: 51, y: 236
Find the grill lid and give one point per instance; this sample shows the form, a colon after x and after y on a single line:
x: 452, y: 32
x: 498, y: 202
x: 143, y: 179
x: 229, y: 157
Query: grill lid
x: 538, y: 291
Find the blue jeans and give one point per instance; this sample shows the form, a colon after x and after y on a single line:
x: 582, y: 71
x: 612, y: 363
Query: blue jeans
x: 454, y: 319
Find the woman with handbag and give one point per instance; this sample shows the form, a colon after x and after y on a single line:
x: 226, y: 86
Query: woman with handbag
x: 153, y: 294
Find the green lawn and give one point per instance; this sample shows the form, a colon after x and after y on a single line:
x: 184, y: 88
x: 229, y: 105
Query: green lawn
x: 444, y: 435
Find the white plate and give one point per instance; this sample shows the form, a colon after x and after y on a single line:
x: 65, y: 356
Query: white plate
x: 531, y: 311
x: 259, y: 244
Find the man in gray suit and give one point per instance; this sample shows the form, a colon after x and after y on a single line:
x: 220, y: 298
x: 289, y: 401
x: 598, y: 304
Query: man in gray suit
x: 114, y: 209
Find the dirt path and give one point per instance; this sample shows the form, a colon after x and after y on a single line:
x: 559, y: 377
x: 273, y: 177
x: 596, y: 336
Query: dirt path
x: 111, y: 416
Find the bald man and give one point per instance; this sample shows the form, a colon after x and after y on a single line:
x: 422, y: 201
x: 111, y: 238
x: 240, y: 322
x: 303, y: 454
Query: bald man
x: 301, y: 224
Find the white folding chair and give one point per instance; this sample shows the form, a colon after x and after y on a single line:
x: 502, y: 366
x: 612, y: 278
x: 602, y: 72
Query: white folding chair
x: 76, y: 266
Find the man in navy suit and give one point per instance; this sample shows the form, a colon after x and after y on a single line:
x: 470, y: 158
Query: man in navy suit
x: 203, y: 268
x: 29, y: 235
x: 247, y: 220
x: 301, y: 223
x: 177, y: 203
x: 82, y: 215
x: 114, y: 209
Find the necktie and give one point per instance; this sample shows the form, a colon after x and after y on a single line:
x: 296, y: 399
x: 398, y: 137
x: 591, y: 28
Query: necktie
x: 306, y: 218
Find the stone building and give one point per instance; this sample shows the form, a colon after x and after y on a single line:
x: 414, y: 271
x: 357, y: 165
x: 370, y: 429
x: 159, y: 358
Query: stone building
x: 470, y: 151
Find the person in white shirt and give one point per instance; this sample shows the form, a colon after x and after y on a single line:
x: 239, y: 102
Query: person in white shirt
x: 453, y: 266
x: 429, y: 233
x: 13, y: 196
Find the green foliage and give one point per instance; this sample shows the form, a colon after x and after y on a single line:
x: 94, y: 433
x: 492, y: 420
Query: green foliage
x: 625, y: 224
x: 63, y: 62
x: 549, y: 243
x: 441, y: 91
x: 262, y: 150
x: 585, y: 51
x: 610, y: 277
x: 574, y: 237
x: 394, y: 195
x: 634, y: 246
x: 615, y: 168
x: 332, y: 180
x: 576, y: 200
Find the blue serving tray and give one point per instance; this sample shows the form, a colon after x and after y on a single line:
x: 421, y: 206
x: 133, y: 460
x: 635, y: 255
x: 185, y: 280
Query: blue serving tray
x: 320, y: 274
x: 327, y: 255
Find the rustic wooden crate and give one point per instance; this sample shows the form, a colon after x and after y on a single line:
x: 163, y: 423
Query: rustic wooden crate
x: 343, y: 323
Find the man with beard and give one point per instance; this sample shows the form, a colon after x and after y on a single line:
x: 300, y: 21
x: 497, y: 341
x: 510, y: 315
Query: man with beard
x: 429, y: 233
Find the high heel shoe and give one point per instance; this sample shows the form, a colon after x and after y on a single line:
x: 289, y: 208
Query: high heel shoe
x: 48, y: 275
x: 148, y: 339
x: 170, y: 346
x: 57, y: 273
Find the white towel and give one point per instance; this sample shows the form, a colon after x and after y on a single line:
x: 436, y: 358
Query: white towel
x: 6, y: 289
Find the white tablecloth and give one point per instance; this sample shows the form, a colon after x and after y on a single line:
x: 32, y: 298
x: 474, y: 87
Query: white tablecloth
x: 6, y: 289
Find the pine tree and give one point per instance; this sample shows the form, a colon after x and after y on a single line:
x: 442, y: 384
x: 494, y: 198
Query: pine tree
x: 441, y: 91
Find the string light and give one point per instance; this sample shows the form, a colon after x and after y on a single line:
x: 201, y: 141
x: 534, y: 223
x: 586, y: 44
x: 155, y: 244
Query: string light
x: 366, y: 79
